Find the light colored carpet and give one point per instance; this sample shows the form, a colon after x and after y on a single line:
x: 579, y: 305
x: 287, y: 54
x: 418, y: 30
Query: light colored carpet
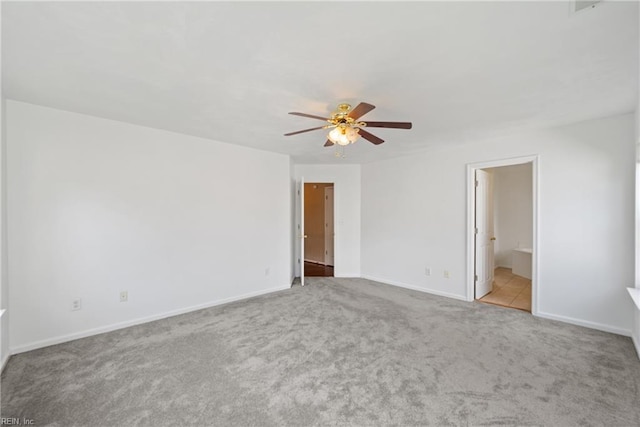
x: 336, y: 352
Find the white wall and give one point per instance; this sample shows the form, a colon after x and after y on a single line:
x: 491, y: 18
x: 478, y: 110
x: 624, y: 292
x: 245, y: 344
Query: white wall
x: 513, y: 211
x: 347, y: 213
x: 293, y: 231
x: 4, y: 287
x: 636, y: 321
x: 4, y: 283
x: 97, y: 206
x: 414, y: 216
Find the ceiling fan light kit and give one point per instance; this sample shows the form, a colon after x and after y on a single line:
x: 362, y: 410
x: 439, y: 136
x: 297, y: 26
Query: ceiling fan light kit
x: 344, y: 135
x: 346, y: 129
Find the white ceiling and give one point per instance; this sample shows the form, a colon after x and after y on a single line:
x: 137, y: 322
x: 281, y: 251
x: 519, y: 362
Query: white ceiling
x: 230, y: 71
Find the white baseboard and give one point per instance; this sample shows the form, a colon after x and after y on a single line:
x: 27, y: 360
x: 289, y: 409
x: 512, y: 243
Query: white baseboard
x: 5, y: 339
x: 503, y: 266
x: 4, y: 363
x: 586, y: 324
x: 636, y: 343
x: 415, y: 288
x: 133, y: 322
x: 565, y: 319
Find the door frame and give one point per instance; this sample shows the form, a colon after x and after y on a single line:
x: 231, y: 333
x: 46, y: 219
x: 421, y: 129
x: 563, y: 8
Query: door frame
x: 321, y: 213
x: 471, y: 219
x: 298, y: 241
x: 329, y: 236
x: 301, y: 236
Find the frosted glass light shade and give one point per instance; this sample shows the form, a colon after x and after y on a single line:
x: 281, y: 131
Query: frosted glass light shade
x: 343, y: 135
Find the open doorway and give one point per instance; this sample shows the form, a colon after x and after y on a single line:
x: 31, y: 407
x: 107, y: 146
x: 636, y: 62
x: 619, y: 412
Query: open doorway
x: 502, y: 254
x: 318, y: 229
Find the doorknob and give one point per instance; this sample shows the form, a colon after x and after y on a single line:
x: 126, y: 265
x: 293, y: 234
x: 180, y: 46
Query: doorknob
x: 493, y: 238
x: 305, y: 236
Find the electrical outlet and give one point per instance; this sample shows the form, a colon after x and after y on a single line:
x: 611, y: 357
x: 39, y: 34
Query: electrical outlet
x: 427, y: 271
x: 124, y: 296
x: 76, y: 304
x: 446, y: 274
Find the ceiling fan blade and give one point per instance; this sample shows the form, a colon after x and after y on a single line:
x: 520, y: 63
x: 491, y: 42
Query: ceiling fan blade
x: 370, y: 137
x: 303, y: 131
x: 360, y: 110
x: 328, y: 143
x: 311, y: 116
x: 395, y: 125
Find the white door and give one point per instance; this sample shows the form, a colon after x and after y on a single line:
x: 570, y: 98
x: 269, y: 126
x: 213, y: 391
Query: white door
x: 484, y: 233
x: 301, y: 235
x: 328, y: 226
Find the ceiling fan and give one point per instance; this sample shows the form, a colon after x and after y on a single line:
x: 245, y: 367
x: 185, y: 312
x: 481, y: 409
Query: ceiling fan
x: 347, y: 128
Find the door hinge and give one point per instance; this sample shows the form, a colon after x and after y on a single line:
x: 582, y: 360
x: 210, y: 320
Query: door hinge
x: 476, y: 182
x: 476, y: 230
x: 475, y: 277
x: 298, y: 260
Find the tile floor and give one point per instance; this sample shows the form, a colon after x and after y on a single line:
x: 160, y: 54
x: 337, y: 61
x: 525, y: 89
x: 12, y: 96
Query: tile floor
x: 509, y: 290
